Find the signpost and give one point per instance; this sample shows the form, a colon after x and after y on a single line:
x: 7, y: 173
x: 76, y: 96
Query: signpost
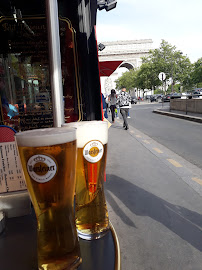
x: 162, y: 77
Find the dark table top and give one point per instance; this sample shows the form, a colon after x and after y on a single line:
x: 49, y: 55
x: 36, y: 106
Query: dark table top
x: 18, y: 247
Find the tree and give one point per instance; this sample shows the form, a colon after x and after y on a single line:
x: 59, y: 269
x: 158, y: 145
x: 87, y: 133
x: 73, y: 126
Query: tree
x: 197, y: 73
x: 128, y: 79
x: 146, y: 76
x: 167, y: 59
x: 170, y: 61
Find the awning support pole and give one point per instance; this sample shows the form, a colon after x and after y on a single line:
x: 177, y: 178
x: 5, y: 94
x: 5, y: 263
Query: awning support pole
x: 55, y: 62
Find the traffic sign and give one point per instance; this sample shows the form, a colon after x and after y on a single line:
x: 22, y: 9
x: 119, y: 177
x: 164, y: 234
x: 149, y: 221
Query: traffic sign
x: 162, y: 76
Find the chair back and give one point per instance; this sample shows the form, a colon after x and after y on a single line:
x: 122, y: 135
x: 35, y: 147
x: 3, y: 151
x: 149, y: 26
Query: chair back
x: 7, y: 134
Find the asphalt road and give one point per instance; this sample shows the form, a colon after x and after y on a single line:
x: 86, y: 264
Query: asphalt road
x: 181, y: 136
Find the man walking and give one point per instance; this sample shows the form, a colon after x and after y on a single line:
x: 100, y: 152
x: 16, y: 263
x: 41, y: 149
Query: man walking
x: 124, y: 100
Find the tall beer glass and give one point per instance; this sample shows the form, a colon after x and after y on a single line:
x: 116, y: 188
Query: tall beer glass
x: 91, y: 211
x: 48, y: 158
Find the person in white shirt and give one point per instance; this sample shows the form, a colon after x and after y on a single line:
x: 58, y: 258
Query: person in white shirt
x: 124, y: 100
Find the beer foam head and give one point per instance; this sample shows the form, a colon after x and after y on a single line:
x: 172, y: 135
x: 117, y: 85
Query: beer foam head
x: 45, y: 137
x: 89, y: 131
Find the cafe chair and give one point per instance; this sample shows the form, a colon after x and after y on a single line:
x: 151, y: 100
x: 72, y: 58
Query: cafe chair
x: 13, y: 203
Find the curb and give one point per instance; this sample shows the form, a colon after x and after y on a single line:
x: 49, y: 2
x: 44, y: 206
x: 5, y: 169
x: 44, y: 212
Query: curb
x: 177, y: 115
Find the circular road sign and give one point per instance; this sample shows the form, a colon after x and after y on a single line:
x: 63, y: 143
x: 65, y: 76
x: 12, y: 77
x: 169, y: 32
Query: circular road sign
x: 162, y: 76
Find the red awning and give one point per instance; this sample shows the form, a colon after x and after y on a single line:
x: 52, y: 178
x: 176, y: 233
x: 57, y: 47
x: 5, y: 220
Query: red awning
x: 108, y: 67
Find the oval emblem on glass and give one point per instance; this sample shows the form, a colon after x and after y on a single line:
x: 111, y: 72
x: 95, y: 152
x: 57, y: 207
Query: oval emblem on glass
x: 41, y: 168
x: 93, y: 151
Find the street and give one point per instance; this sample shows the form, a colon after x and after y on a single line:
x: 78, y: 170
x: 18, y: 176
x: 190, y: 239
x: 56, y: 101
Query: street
x: 181, y: 136
x: 153, y: 200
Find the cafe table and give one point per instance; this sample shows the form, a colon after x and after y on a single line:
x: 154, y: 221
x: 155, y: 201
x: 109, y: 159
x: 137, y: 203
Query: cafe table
x: 18, y: 247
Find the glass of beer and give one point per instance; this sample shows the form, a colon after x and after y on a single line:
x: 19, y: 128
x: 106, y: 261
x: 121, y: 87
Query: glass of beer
x: 92, y: 219
x: 48, y: 158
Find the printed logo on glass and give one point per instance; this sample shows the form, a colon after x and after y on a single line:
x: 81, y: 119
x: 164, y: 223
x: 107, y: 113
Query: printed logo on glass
x: 41, y: 168
x: 93, y: 151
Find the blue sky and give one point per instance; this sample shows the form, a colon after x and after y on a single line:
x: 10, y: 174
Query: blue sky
x: 177, y: 21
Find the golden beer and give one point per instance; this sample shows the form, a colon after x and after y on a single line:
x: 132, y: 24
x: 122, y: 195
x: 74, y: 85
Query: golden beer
x: 48, y: 158
x: 92, y: 219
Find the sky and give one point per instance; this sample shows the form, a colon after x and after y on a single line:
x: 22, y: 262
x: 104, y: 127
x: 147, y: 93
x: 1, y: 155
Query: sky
x: 179, y: 22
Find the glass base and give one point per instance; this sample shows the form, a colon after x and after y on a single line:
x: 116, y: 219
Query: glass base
x: 92, y: 236
x: 60, y: 265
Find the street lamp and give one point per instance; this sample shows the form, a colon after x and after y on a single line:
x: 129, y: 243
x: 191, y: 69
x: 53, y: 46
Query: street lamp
x: 106, y: 4
x: 101, y: 47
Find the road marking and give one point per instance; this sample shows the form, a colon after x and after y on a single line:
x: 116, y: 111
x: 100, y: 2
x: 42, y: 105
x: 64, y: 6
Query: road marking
x: 158, y: 150
x: 175, y: 163
x: 145, y: 141
x: 196, y: 179
x: 138, y: 136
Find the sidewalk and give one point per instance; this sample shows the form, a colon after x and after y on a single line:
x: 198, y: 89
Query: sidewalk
x: 196, y: 117
x: 154, y: 203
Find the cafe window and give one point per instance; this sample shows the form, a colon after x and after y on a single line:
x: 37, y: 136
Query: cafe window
x: 25, y: 90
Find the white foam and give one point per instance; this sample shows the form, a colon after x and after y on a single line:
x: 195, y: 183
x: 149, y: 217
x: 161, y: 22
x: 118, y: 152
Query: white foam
x: 45, y: 137
x: 89, y: 130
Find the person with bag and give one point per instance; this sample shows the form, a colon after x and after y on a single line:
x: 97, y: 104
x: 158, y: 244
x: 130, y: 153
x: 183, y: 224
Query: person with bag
x: 112, y: 101
x: 124, y: 100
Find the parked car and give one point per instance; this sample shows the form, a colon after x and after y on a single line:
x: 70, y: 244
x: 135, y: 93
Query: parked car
x: 166, y: 98
x: 133, y: 100
x: 176, y: 95
x: 186, y: 95
x: 156, y: 97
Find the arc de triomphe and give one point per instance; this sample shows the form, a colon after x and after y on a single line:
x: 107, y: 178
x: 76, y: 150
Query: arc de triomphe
x: 130, y: 52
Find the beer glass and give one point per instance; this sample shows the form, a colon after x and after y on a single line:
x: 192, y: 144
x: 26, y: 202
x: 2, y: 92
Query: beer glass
x: 48, y: 159
x: 92, y: 219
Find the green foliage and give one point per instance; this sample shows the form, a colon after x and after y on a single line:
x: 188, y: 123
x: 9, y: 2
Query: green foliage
x: 158, y: 91
x: 128, y: 79
x: 197, y: 73
x: 176, y: 88
x: 146, y: 76
x: 170, y: 61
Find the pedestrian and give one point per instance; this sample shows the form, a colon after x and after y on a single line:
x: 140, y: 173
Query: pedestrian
x: 124, y: 100
x: 104, y: 107
x: 112, y: 102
